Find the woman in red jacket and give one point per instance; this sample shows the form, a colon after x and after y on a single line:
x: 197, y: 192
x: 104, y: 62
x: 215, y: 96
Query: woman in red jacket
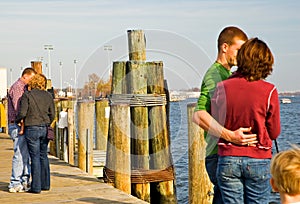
x: 247, y: 100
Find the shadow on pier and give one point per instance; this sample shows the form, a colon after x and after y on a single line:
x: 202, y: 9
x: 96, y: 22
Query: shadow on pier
x: 69, y: 184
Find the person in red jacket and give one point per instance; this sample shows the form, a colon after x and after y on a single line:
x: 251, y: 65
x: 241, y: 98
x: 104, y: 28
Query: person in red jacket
x: 245, y: 99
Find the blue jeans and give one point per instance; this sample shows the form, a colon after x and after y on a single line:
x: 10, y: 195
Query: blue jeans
x: 244, y: 179
x: 211, y: 163
x: 37, y: 144
x: 20, y: 173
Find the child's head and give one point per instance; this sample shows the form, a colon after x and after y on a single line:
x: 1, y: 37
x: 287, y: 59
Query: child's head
x: 285, y: 170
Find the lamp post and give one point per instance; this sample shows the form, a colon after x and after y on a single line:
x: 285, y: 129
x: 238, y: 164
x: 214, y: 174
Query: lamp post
x: 46, y: 68
x: 49, y: 48
x: 108, y: 48
x: 75, y: 77
x: 60, y: 72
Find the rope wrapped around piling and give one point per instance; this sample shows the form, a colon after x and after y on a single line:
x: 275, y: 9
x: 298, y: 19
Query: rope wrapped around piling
x: 142, y: 175
x: 135, y: 100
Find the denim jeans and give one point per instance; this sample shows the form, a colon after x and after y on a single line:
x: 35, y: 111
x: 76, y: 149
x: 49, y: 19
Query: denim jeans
x: 37, y: 144
x: 244, y: 179
x: 20, y: 163
x: 211, y: 163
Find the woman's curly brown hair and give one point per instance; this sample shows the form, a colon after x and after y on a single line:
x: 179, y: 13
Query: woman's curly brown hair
x: 38, y: 81
x: 255, y: 60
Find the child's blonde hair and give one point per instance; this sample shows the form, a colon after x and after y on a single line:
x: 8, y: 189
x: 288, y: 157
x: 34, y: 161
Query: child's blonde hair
x: 285, y: 170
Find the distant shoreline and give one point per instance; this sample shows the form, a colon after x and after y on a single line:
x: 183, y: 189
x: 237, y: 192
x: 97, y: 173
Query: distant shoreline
x: 289, y: 93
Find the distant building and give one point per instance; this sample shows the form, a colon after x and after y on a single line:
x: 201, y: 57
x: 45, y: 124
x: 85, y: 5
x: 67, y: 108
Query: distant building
x: 3, y: 83
x: 182, y: 95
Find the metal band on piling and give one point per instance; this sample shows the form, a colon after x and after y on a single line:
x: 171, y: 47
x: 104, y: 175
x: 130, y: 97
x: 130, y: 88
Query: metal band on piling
x: 135, y: 100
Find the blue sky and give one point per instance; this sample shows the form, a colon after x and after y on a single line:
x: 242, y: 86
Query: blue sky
x: 182, y: 34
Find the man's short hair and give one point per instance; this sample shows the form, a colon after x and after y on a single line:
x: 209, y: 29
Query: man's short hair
x: 285, y: 171
x: 28, y: 71
x: 229, y: 35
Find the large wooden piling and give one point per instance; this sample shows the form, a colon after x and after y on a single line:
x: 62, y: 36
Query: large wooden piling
x: 139, y: 117
x: 141, y: 86
x: 85, y: 135
x: 118, y: 87
x: 200, y: 187
x: 136, y: 73
x: 159, y: 137
x: 121, y: 134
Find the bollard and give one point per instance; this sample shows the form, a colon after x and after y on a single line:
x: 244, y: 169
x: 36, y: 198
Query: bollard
x: 85, y: 121
x: 200, y: 187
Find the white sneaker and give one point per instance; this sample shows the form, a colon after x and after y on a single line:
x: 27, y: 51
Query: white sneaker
x: 26, y: 186
x: 16, y: 189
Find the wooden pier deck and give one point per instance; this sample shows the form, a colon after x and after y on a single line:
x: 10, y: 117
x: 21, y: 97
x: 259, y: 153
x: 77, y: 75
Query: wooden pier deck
x: 69, y: 184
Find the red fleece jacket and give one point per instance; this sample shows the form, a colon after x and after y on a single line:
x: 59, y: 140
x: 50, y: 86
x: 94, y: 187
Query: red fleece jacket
x: 239, y: 103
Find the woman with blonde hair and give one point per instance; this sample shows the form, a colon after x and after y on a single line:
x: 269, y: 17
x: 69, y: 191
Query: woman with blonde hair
x: 37, y: 111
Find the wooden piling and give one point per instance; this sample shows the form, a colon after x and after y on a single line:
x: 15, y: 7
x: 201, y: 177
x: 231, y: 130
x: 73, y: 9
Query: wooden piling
x: 71, y: 136
x: 200, y: 187
x: 136, y: 45
x: 130, y: 87
x: 86, y: 111
x: 102, y: 123
x: 121, y: 130
x: 37, y: 66
x: 56, y: 142
x: 49, y: 85
x: 164, y: 192
x: 118, y: 87
x: 137, y: 84
x: 119, y: 78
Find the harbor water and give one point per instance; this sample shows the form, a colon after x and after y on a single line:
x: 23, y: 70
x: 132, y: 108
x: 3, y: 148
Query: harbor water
x: 290, y: 134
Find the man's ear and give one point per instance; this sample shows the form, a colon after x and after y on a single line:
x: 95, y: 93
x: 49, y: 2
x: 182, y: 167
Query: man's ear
x: 274, y: 187
x: 224, y: 47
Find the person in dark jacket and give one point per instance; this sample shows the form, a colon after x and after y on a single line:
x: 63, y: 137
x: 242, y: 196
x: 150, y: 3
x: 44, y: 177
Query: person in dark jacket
x: 37, y: 111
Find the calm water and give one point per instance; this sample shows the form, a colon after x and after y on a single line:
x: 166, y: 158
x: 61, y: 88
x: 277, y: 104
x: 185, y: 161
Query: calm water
x: 290, y: 120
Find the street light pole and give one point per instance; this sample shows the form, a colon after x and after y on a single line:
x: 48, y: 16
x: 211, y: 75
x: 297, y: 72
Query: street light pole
x: 108, y: 48
x: 60, y: 71
x: 46, y: 69
x: 49, y: 48
x: 75, y: 77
